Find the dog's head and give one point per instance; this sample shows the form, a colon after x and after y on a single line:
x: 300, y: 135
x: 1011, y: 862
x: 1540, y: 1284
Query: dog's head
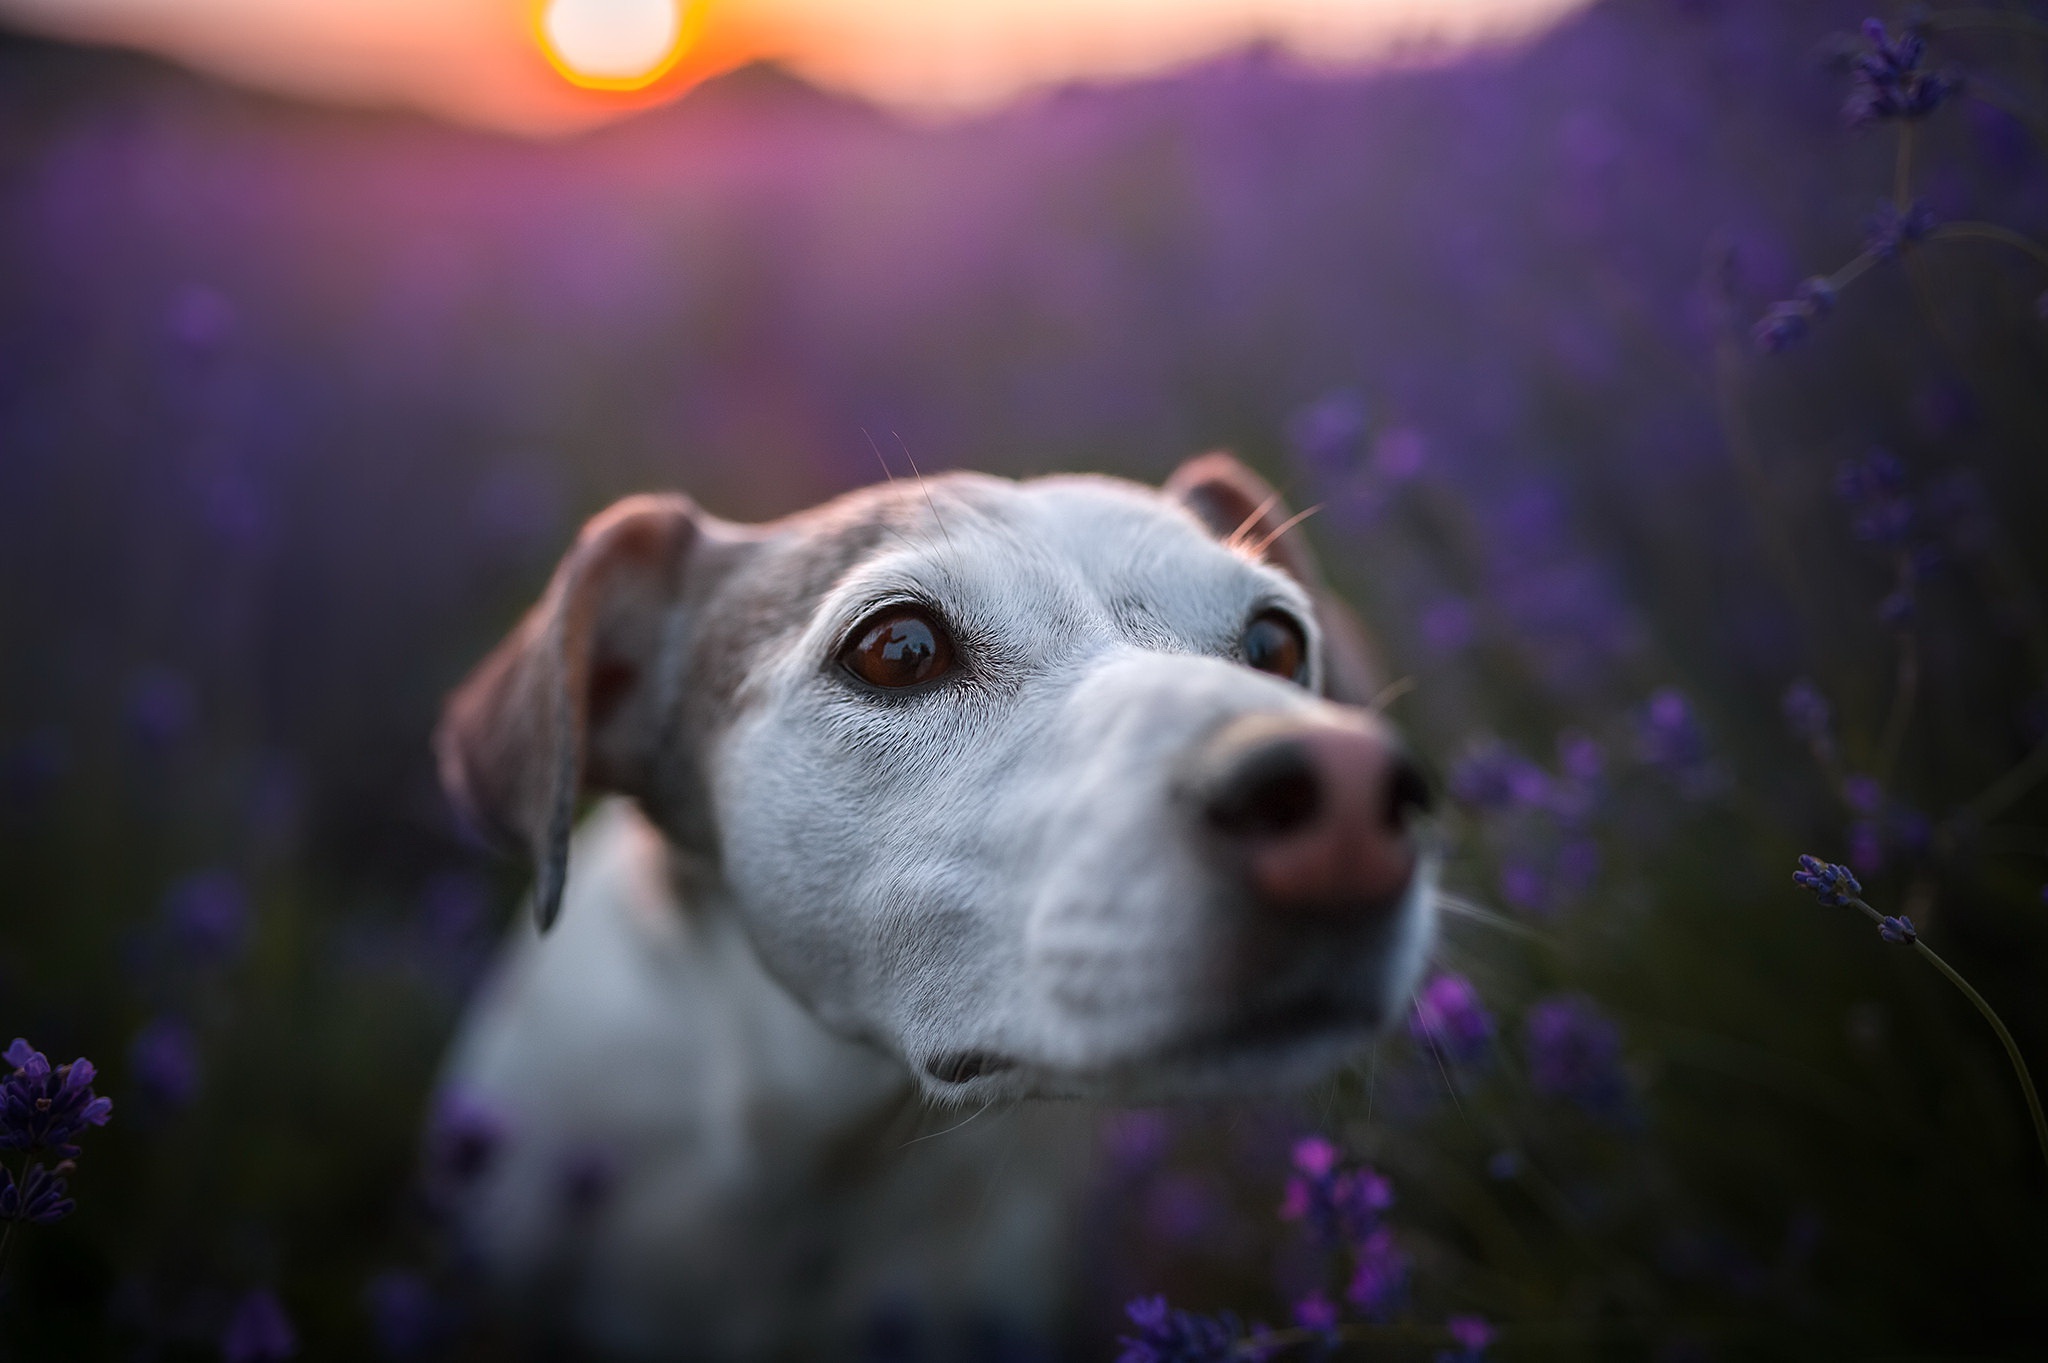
x: 1056, y: 787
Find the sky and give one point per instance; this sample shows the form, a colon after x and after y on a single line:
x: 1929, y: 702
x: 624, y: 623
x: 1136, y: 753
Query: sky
x: 547, y: 67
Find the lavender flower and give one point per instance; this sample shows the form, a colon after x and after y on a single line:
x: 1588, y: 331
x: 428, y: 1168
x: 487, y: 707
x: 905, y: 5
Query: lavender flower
x: 1833, y: 885
x: 258, y: 1331
x: 1316, y: 1313
x: 1337, y: 1205
x: 44, y: 1107
x: 1379, y: 1277
x: 1787, y: 322
x: 1449, y: 1018
x: 1898, y: 931
x: 1168, y: 1335
x: 1890, y: 229
x: 163, y: 1062
x: 1808, y: 714
x: 1496, y: 777
x: 40, y: 1197
x: 1890, y: 81
x: 1574, y: 1053
x: 1471, y: 1334
x: 1874, y: 487
x: 208, y: 914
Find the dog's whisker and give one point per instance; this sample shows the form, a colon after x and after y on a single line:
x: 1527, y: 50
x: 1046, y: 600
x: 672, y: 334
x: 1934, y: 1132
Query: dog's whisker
x: 922, y: 487
x: 1273, y: 535
x: 1458, y: 907
x: 933, y: 1135
x: 1390, y: 693
x: 1237, y: 538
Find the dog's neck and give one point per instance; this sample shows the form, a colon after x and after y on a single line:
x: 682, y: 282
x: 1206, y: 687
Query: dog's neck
x: 753, y: 1150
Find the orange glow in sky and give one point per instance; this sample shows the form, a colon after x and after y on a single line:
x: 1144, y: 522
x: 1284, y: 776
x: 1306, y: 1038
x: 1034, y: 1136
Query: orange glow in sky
x: 552, y: 66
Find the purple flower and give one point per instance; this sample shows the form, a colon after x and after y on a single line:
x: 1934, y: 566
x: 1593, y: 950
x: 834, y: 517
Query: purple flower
x: 1807, y: 713
x: 1447, y: 626
x: 1832, y: 884
x: 1668, y: 735
x: 1862, y: 793
x: 1889, y: 79
x: 39, y: 1198
x: 44, y: 1107
x: 1782, y: 326
x: 1379, y: 1277
x: 1875, y: 489
x: 1326, y: 435
x: 1316, y: 1313
x: 1495, y: 777
x: 1449, y: 1017
x: 1471, y: 1334
x: 163, y: 1060
x: 1574, y: 1052
x: 208, y: 914
x: 1898, y: 931
x: 1336, y: 1204
x: 1136, y: 1141
x: 1890, y: 230
x: 1168, y: 1335
x: 258, y: 1331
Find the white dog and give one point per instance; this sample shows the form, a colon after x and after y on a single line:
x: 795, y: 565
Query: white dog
x: 954, y: 792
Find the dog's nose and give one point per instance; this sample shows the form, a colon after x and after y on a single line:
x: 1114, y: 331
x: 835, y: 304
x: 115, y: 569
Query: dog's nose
x: 1317, y: 814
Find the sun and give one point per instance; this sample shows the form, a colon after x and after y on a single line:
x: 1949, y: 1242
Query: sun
x: 615, y: 44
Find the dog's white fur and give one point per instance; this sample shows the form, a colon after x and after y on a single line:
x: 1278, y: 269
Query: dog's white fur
x: 832, y: 891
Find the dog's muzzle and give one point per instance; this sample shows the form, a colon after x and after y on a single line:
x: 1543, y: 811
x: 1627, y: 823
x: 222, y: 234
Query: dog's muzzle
x: 1314, y: 816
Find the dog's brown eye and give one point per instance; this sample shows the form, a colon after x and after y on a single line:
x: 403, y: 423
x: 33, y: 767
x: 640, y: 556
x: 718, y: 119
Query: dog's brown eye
x: 901, y: 647
x: 1273, y: 643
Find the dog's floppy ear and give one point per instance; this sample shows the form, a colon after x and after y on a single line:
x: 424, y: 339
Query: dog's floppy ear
x: 569, y: 701
x: 1241, y: 508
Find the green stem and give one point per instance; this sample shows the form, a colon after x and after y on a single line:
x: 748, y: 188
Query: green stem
x: 1990, y: 231
x: 2012, y: 1050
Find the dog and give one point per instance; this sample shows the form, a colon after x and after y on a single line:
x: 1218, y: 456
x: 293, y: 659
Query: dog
x: 958, y: 792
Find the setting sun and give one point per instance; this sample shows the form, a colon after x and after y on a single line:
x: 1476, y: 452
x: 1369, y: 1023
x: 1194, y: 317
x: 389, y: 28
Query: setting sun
x: 615, y: 44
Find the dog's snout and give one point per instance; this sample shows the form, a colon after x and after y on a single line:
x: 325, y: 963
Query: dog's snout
x: 1317, y: 816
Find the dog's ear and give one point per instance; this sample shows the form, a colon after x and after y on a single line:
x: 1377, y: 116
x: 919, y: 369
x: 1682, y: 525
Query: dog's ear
x: 570, y: 700
x: 1241, y: 508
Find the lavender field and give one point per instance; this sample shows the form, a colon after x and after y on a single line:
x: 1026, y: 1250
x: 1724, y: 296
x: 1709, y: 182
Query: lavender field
x: 1675, y: 393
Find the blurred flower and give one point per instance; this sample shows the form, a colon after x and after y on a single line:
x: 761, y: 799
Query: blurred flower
x: 1521, y: 884
x: 405, y: 1317
x: 1496, y: 777
x: 1890, y: 229
x: 1167, y: 1335
x: 1449, y: 1018
x: 1327, y: 434
x: 163, y: 1062
x: 42, y: 1107
x: 1898, y: 931
x: 1182, y: 1209
x: 1574, y: 1052
x: 1136, y: 1141
x: 1808, y: 714
x: 1862, y: 793
x: 1400, y: 454
x: 1889, y: 79
x: 1866, y: 847
x: 1379, y: 1277
x: 208, y: 914
x: 1471, y: 1334
x: 1667, y: 733
x: 1874, y: 487
x: 40, y: 1198
x: 1316, y: 1313
x: 1337, y: 1205
x: 258, y: 1331
x: 1787, y: 322
x: 1830, y: 883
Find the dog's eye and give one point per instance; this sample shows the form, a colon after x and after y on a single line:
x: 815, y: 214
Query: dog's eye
x: 900, y: 647
x: 1273, y: 643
